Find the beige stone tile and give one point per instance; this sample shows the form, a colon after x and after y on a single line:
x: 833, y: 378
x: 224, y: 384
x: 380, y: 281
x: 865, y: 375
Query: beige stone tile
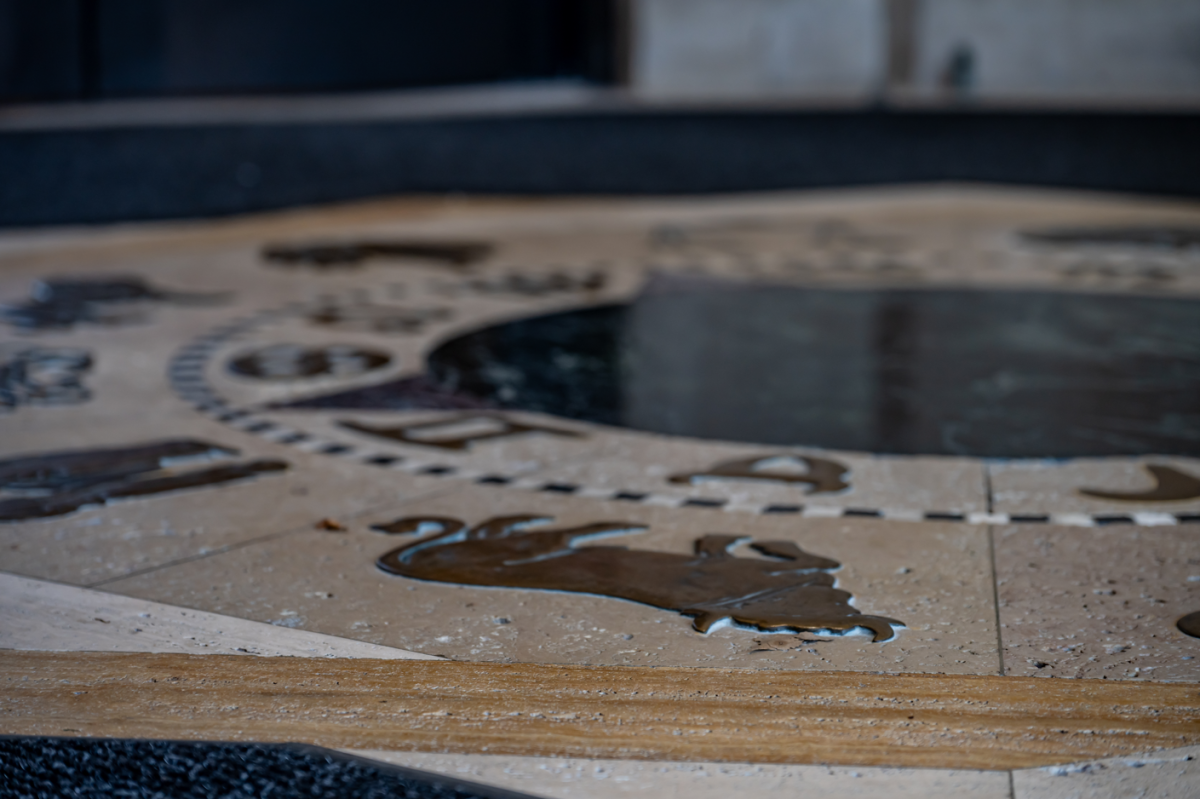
x: 933, y: 577
x: 1049, y: 487
x: 1173, y: 774
x: 1098, y: 602
x: 575, y: 778
x: 95, y: 544
x: 52, y: 617
x: 644, y: 463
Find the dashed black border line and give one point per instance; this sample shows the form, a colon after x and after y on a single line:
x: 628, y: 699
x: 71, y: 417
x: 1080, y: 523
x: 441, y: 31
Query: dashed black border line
x: 186, y: 376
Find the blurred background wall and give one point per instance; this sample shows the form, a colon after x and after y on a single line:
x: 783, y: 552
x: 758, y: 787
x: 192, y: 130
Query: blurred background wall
x: 924, y: 51
x: 931, y: 51
x: 116, y: 110
x: 92, y: 49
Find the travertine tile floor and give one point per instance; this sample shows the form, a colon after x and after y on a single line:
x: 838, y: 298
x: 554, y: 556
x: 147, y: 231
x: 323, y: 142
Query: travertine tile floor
x: 1071, y: 601
x: 1098, y: 603
x: 933, y: 577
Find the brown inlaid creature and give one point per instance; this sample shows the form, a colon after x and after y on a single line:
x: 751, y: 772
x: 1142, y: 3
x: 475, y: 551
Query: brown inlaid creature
x: 790, y: 591
x: 57, y: 483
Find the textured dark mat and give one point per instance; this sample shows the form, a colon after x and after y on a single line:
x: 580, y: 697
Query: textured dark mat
x: 136, y: 769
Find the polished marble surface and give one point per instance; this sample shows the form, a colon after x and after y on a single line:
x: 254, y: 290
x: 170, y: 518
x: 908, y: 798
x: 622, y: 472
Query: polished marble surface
x: 1010, y: 374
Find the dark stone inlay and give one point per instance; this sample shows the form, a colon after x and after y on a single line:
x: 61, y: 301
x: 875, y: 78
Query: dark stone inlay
x: 455, y: 433
x: 992, y: 373
x: 1187, y: 518
x: 135, y: 769
x: 1190, y: 624
x: 57, y: 483
x: 701, y: 502
x: 43, y: 376
x: 494, y: 479
x: 437, y: 470
x: 259, y: 427
x: 1113, y: 519
x: 865, y: 513
x: 790, y: 589
x: 336, y: 449
x: 533, y: 285
x: 1170, y: 485
x: 1032, y: 518
x: 560, y: 488
x: 368, y: 318
x: 783, y: 509
x: 292, y: 361
x: 350, y: 255
x: 383, y: 460
x: 630, y: 496
x: 59, y: 303
x: 407, y: 393
x: 820, y: 474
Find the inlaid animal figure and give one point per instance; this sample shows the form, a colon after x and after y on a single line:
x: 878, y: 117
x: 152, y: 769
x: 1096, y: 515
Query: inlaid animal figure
x: 792, y: 590
x: 56, y: 483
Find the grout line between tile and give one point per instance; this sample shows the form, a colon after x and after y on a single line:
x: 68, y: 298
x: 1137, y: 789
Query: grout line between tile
x: 991, y: 535
x: 269, y: 537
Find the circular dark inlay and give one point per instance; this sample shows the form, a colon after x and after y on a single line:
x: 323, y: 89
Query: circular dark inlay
x: 1190, y: 624
x: 291, y: 361
x: 947, y: 372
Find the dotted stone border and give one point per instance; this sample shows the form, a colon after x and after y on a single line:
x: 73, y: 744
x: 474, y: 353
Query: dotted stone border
x: 186, y: 376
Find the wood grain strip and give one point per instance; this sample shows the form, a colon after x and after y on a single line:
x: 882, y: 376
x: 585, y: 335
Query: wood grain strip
x: 611, y: 712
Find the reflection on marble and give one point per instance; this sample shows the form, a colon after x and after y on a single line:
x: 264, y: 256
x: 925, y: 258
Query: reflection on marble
x: 913, y: 371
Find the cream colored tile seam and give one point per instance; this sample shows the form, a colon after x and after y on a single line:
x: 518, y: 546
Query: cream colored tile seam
x: 433, y: 493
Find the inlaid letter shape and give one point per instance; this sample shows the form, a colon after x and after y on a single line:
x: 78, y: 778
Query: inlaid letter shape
x: 789, y: 590
x: 459, y: 432
x: 43, y: 376
x: 365, y: 317
x: 823, y: 475
x: 57, y: 483
x: 1171, y: 485
x: 60, y: 303
x: 350, y: 255
x: 293, y: 361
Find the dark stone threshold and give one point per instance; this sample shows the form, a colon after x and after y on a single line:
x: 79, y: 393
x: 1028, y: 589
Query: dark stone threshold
x: 99, y: 175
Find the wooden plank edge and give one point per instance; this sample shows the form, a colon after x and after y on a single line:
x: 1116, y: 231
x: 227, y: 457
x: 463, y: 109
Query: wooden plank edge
x: 680, y: 714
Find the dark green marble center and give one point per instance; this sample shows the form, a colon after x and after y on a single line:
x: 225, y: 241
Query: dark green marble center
x: 962, y: 372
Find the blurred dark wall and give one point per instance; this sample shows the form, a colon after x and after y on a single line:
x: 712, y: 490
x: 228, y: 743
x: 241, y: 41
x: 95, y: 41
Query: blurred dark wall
x: 40, y: 49
x: 75, y: 49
